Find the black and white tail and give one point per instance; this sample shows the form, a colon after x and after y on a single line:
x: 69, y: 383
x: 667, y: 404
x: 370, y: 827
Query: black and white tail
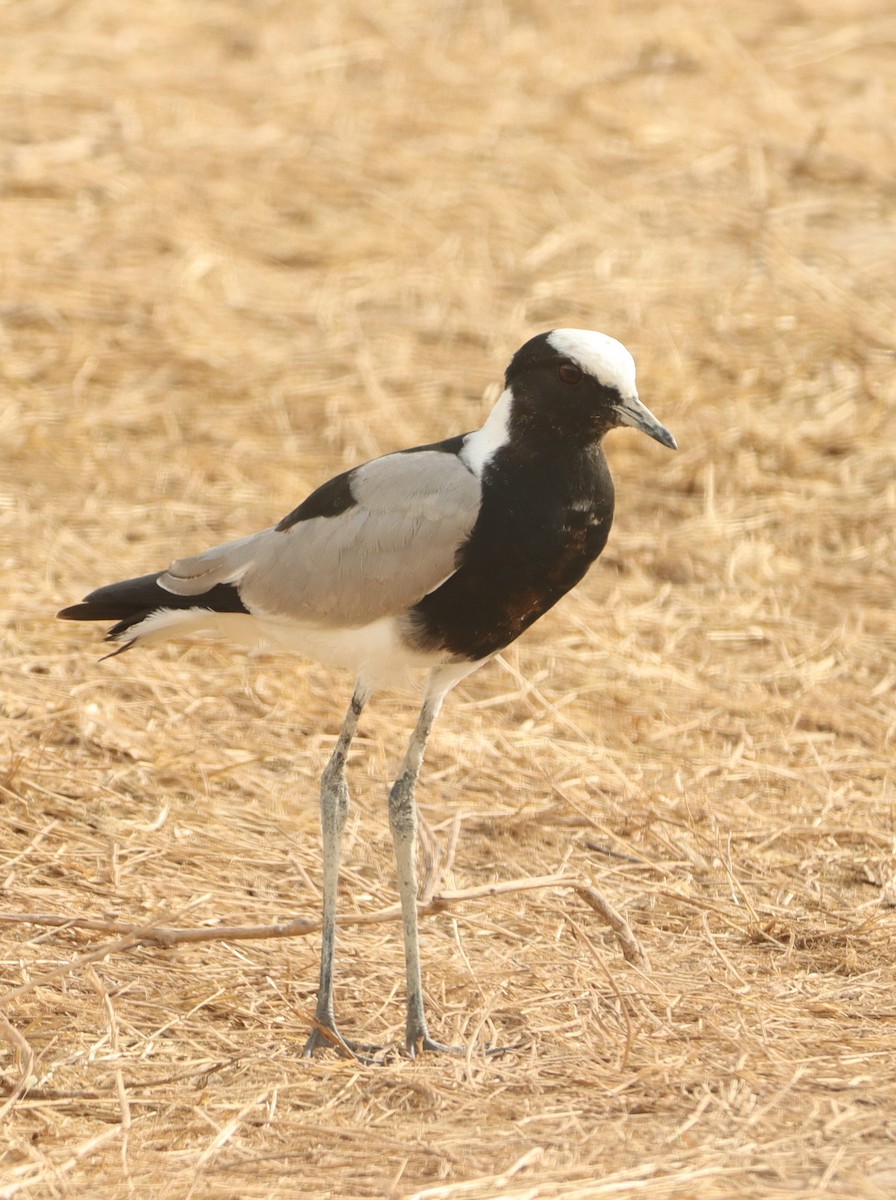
x: 141, y: 606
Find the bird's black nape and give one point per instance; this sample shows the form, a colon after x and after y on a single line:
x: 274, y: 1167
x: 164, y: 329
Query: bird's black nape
x: 537, y: 352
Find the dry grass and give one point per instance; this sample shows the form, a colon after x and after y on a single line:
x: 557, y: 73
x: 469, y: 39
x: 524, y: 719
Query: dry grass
x: 246, y: 244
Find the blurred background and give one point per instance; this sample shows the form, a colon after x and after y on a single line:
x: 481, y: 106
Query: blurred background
x: 248, y: 244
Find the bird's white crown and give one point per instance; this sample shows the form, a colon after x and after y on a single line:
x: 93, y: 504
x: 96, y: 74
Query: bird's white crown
x: 598, y: 354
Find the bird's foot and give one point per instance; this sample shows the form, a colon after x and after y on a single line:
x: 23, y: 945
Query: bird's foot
x: 421, y: 1043
x: 325, y: 1035
x: 424, y: 1044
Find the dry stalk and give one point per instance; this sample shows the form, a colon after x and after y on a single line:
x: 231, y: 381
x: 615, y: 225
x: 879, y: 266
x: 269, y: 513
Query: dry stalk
x: 632, y: 950
x: 167, y: 936
x: 24, y: 1060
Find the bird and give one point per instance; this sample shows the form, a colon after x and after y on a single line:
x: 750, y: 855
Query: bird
x: 433, y: 558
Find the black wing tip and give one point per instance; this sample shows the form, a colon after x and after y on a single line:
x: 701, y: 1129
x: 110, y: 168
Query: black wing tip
x: 116, y: 600
x: 91, y: 611
x: 78, y: 612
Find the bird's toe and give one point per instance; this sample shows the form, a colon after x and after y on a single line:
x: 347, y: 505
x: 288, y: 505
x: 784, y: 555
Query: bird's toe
x: 424, y: 1044
x: 327, y: 1036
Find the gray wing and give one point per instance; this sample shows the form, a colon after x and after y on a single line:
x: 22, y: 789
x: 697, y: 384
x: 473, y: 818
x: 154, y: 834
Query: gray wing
x: 402, y: 520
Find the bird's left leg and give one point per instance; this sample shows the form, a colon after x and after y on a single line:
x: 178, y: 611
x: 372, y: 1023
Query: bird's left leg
x: 403, y: 823
x: 333, y: 812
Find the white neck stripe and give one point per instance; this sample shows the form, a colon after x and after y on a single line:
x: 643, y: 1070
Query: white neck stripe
x: 481, y: 446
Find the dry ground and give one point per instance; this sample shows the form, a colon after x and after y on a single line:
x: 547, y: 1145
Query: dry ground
x: 245, y: 244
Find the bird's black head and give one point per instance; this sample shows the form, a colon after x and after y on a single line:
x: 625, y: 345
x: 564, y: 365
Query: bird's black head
x: 579, y: 383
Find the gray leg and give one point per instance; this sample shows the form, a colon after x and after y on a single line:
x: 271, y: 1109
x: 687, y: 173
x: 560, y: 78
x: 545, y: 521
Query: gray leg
x: 333, y: 811
x: 403, y: 823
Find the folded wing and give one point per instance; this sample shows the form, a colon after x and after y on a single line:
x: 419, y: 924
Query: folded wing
x: 392, y: 537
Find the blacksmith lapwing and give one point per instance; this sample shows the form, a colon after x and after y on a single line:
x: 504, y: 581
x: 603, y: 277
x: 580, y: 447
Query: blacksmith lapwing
x: 436, y: 558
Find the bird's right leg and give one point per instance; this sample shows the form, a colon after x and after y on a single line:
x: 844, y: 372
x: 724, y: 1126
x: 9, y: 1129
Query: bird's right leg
x: 333, y: 812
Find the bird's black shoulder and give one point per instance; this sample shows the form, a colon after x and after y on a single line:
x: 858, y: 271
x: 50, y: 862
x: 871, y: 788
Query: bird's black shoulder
x: 335, y: 496
x: 452, y: 445
x: 328, y: 500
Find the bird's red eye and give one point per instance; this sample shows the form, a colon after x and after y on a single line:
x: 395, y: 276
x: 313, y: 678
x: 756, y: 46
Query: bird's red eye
x: 570, y: 372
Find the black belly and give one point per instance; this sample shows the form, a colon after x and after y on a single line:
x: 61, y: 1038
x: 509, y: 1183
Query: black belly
x: 520, y: 559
